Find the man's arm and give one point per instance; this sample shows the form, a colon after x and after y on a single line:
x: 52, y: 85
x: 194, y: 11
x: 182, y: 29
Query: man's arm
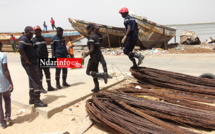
x: 22, y: 53
x: 91, y: 49
x: 128, y: 30
x: 7, y: 75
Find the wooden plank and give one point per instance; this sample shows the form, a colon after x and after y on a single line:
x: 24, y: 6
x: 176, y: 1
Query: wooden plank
x: 88, y: 123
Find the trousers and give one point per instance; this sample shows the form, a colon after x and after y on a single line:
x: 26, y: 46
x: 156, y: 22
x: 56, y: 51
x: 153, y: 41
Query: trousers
x: 7, y: 102
x: 130, y: 44
x: 33, y: 77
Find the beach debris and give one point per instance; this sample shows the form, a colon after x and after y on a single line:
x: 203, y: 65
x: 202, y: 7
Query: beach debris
x: 138, y: 87
x: 72, y: 118
x: 189, y: 38
x: 210, y: 41
x: 20, y: 111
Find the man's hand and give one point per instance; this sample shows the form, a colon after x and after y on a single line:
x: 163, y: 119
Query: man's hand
x: 11, y: 88
x: 28, y: 62
x: 84, y: 55
x: 123, y: 39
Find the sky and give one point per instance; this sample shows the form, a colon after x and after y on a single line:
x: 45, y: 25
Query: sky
x: 17, y: 14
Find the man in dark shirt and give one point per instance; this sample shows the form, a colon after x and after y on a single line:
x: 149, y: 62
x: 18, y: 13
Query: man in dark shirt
x: 28, y: 60
x: 102, y: 59
x: 59, y: 50
x: 39, y: 44
x: 130, y: 38
x: 95, y: 56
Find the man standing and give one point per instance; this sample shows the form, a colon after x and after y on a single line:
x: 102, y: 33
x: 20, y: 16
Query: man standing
x: 40, y: 47
x: 13, y: 43
x: 59, y: 50
x: 6, y: 87
x: 44, y: 26
x: 130, y: 37
x: 93, y: 63
x: 53, y: 23
x: 29, y: 62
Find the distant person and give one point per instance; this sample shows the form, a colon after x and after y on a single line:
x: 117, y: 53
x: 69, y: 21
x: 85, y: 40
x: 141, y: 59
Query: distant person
x: 6, y: 87
x: 13, y: 43
x: 59, y: 50
x: 53, y: 23
x: 69, y: 47
x: 93, y: 63
x: 44, y: 26
x: 40, y: 47
x: 29, y: 63
x: 130, y: 38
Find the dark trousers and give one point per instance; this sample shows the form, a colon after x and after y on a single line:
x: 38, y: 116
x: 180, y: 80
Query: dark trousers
x: 57, y: 73
x: 34, y: 81
x: 53, y: 26
x: 13, y: 43
x: 7, y: 102
x: 130, y: 44
x: 46, y: 71
x: 92, y: 66
x: 103, y: 62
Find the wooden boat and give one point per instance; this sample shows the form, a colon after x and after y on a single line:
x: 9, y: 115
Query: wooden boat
x: 150, y: 34
x: 5, y: 37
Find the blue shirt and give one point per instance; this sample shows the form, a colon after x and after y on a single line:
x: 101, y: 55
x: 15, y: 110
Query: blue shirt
x: 4, y: 83
x: 130, y: 21
x: 58, y: 43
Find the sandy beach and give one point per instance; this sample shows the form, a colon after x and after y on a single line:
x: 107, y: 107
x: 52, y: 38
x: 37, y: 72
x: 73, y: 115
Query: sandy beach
x: 72, y: 118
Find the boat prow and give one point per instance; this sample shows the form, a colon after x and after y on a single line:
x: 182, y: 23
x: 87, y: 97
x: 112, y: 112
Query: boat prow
x: 150, y: 34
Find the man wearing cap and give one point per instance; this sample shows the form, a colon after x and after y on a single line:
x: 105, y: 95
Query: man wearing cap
x: 130, y: 38
x: 28, y: 61
x: 94, y: 52
x: 59, y: 50
x: 39, y: 44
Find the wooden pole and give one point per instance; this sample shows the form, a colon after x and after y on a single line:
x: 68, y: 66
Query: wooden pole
x: 175, y: 39
x: 108, y: 40
x: 119, y: 41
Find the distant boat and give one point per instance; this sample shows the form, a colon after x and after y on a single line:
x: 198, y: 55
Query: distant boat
x: 150, y: 34
x: 5, y: 37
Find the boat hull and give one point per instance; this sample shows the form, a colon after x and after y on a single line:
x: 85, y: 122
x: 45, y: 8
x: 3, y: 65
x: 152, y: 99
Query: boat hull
x: 5, y: 37
x: 150, y: 34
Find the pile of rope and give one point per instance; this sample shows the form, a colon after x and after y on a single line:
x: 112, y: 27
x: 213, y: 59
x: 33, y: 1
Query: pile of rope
x: 165, y: 100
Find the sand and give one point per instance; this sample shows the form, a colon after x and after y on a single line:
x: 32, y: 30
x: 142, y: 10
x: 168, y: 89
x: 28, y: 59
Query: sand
x: 70, y: 119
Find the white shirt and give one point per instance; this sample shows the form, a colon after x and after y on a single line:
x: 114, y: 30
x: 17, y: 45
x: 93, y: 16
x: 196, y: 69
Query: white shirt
x: 4, y: 83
